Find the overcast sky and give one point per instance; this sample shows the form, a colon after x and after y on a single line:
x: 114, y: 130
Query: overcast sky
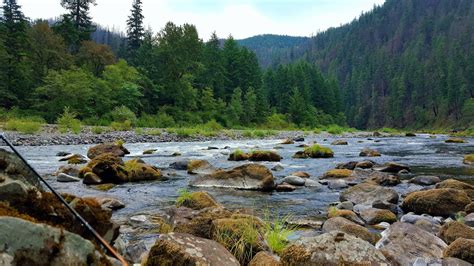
x: 243, y: 18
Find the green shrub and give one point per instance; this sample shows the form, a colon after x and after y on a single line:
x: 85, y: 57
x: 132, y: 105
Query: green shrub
x: 67, y: 121
x: 317, y: 130
x: 278, y: 121
x: 183, y: 196
x: 123, y: 114
x: 121, y: 126
x: 335, y: 129
x: 389, y: 130
x: 98, y: 130
x: 23, y: 126
x: 213, y: 125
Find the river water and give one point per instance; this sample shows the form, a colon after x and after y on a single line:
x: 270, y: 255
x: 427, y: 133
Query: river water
x: 424, y: 154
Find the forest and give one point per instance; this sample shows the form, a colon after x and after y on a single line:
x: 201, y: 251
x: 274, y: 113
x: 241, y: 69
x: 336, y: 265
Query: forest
x: 50, y: 69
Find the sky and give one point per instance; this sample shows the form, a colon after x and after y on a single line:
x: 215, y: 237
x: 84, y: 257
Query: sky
x: 242, y: 19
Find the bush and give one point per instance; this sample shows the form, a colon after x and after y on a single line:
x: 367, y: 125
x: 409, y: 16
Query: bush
x: 98, y: 130
x: 278, y: 121
x: 335, y: 129
x: 121, y: 126
x: 213, y: 125
x: 123, y: 114
x: 67, y: 121
x: 23, y: 126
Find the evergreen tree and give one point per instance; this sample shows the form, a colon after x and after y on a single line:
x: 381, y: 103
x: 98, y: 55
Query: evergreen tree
x: 135, y: 28
x: 80, y: 19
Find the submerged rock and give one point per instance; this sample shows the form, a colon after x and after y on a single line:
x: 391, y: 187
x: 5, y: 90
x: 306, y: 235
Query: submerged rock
x: 180, y: 165
x: 116, y: 149
x: 438, y: 202
x: 403, y: 243
x: 456, y: 140
x: 67, y: 178
x: 366, y: 193
x: 331, y: 249
x: 185, y: 249
x: 366, y: 152
x: 392, y: 167
x: 284, y: 187
x: 39, y: 244
x: 248, y: 177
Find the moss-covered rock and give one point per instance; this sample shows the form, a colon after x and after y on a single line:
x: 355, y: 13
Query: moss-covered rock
x: 138, y: 171
x: 238, y: 155
x: 108, y: 167
x: 469, y: 208
x: 116, y: 149
x: 287, y: 142
x: 347, y: 214
x: 315, y: 151
x: 200, y: 167
x: 462, y: 249
x: 456, y: 140
x: 349, y: 227
x: 375, y: 216
x: 264, y: 258
x: 269, y: 156
x: 196, y: 222
x: 366, y: 152
x: 468, y: 159
x: 437, y: 202
x: 184, y: 249
x: 451, y: 231
x: 383, y: 179
x: 197, y: 201
x: 337, y: 174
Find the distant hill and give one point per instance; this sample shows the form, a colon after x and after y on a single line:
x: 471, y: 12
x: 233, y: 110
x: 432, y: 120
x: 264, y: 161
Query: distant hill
x: 273, y: 49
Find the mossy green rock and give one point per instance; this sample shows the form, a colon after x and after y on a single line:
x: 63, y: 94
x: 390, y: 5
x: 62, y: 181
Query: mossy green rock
x: 436, y: 202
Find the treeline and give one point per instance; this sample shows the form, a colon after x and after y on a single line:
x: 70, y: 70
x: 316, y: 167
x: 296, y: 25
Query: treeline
x: 404, y: 64
x: 166, y: 79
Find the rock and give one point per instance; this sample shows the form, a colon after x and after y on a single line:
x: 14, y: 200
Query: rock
x: 198, y: 200
x: 179, y: 165
x: 150, y: 151
x: 285, y: 187
x: 90, y: 178
x: 301, y: 174
x: 451, y: 231
x: 348, y: 214
x: 229, y: 231
x: 201, y: 167
x: 425, y: 180
x: 339, y: 142
x: 39, y: 244
x: 358, y: 208
x: 383, y: 179
x: 462, y: 249
x: 108, y: 167
x: 185, y: 249
x: 318, y: 151
x: 312, y: 183
x: 385, y: 206
x: 456, y: 184
x: 403, y: 243
x: 375, y: 216
x: 17, y: 170
x: 264, y: 258
x: 287, y: 142
x: 365, y: 193
x: 469, y: 208
x: 238, y: 155
x: 294, y: 180
x: 110, y: 203
x: 248, y: 177
x: 469, y: 220
x: 337, y: 184
x: 410, y: 134
x: 413, y: 219
x: 468, y: 159
x: 67, y: 178
x: 366, y: 152
x: 259, y: 156
x: 115, y: 148
x: 348, y: 227
x: 392, y: 167
x: 74, y: 159
x: 346, y: 205
x: 11, y: 190
x: 72, y: 170
x: 277, y: 167
x: 331, y: 249
x: 437, y: 202
x: 62, y: 154
x: 196, y: 222
x: 365, y: 164
x: 455, y: 140
x: 298, y: 139
x: 377, y: 134
x: 138, y: 171
x: 337, y: 174
x: 429, y: 227
x: 349, y: 165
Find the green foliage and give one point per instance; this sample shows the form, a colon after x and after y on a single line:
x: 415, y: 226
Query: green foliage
x: 67, y: 121
x: 183, y: 196
x: 459, y: 217
x: 98, y: 129
x: 122, y: 114
x: 335, y: 129
x: 23, y: 125
x: 278, y: 121
x: 277, y: 233
x: 318, y: 151
x: 121, y: 126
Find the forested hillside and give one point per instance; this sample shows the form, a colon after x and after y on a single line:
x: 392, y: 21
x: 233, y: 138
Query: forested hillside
x: 170, y: 78
x: 405, y: 64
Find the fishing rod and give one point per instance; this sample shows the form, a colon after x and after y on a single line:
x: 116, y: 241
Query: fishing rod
x: 74, y: 213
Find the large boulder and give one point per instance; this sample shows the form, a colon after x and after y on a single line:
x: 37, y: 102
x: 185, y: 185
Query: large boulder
x: 139, y: 171
x: 201, y: 167
x: 366, y: 194
x: 349, y: 227
x: 39, y: 244
x: 108, y: 167
x: 197, y: 201
x: 403, y: 243
x: 116, y: 149
x: 462, y: 249
x: 186, y: 249
x: 451, y: 231
x: 437, y: 202
x: 196, y: 222
x: 333, y: 248
x: 247, y: 177
x: 456, y: 184
x: 15, y: 169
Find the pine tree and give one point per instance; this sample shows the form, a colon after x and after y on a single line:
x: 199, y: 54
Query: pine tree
x: 80, y: 19
x: 135, y: 28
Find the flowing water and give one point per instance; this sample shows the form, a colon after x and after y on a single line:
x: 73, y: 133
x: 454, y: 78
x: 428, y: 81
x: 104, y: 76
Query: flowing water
x: 424, y: 154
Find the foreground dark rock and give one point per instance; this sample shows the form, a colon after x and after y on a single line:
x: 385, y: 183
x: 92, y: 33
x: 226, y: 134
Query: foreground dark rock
x: 331, y: 249
x: 186, y: 249
x: 248, y: 177
x: 451, y: 231
x: 462, y: 249
x: 403, y: 243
